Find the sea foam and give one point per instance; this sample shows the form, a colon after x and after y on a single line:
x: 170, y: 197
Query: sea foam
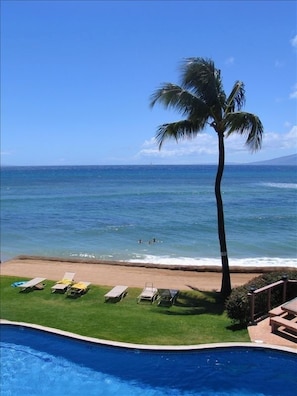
x: 213, y: 262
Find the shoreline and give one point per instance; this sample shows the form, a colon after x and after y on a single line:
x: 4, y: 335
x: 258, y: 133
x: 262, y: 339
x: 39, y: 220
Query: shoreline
x: 173, y: 267
x: 111, y: 273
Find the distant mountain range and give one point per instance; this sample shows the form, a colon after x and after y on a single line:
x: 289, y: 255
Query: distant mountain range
x: 289, y: 160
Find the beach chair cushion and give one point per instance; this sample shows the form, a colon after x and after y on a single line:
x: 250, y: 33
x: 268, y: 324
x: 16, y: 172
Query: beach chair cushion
x: 63, y: 284
x: 78, y: 288
x: 80, y: 285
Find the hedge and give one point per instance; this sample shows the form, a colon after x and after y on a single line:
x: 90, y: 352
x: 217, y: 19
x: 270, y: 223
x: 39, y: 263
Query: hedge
x: 238, y: 307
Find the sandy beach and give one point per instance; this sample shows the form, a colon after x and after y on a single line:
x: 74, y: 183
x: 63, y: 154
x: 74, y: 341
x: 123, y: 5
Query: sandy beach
x: 124, y: 273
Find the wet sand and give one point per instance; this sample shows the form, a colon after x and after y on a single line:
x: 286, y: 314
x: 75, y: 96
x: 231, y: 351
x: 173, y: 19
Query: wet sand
x: 111, y: 273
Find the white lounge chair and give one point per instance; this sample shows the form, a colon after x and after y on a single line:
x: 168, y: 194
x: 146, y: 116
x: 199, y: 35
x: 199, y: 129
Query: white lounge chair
x: 35, y: 283
x: 63, y: 284
x: 116, y: 294
x: 149, y: 293
x: 78, y: 289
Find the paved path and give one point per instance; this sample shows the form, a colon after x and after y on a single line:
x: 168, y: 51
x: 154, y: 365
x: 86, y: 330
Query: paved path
x: 261, y: 333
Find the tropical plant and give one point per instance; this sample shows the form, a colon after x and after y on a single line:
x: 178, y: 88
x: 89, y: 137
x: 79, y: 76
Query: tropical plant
x: 202, y: 101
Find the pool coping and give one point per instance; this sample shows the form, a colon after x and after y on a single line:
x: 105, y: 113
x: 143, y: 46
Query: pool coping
x: 99, y: 341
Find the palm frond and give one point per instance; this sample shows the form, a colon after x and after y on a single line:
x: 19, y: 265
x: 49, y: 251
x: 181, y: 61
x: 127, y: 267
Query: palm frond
x: 177, y: 130
x: 201, y: 77
x: 196, y: 72
x: 236, y: 99
x: 246, y: 124
x: 174, y: 96
x: 168, y: 95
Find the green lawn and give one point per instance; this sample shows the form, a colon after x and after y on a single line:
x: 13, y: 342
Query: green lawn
x: 196, y: 318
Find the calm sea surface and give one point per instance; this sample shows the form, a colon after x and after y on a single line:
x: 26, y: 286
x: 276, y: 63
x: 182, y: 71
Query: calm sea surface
x: 157, y: 214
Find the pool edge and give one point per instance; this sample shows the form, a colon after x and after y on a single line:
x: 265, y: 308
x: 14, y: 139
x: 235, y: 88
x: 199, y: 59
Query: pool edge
x: 144, y: 346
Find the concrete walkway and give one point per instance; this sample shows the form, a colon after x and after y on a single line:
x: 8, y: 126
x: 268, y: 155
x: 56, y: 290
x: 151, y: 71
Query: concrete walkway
x: 261, y: 333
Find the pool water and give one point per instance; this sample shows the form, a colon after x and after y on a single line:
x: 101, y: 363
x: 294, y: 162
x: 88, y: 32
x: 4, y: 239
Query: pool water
x: 39, y: 363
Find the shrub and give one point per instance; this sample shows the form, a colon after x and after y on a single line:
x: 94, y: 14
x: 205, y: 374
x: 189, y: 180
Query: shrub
x: 238, y: 307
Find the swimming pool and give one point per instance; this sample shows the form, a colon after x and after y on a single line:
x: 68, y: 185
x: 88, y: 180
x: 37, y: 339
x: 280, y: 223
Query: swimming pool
x: 37, y: 362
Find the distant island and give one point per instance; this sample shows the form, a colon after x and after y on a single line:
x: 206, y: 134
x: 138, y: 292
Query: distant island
x: 289, y: 160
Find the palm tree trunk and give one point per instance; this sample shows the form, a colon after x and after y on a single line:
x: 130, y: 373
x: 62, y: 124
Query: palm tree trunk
x: 226, y: 282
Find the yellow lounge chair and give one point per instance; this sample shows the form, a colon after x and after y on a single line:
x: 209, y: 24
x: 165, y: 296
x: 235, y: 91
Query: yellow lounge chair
x: 78, y: 289
x: 63, y: 284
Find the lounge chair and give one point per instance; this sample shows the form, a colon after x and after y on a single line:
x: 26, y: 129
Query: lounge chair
x: 167, y: 297
x: 78, y: 289
x: 149, y: 293
x: 33, y: 284
x: 116, y: 294
x: 63, y: 284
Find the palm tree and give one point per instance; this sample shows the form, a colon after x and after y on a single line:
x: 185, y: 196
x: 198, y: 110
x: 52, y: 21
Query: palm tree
x: 202, y: 102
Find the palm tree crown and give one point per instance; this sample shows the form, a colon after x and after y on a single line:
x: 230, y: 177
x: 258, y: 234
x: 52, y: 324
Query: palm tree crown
x: 202, y: 101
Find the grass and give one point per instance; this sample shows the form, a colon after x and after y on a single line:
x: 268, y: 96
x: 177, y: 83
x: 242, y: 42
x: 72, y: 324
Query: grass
x: 196, y: 318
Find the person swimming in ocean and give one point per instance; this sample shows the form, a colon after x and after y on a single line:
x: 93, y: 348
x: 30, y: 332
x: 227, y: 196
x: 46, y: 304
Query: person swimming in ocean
x: 154, y: 240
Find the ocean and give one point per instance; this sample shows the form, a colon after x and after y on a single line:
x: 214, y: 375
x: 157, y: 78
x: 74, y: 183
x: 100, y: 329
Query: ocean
x: 150, y: 214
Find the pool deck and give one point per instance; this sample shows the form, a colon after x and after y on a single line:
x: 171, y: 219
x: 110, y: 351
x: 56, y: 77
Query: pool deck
x: 261, y: 334
x: 273, y: 342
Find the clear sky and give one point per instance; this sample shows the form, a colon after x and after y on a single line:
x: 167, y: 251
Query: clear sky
x: 77, y: 76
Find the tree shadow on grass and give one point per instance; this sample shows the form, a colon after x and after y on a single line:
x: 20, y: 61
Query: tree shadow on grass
x: 236, y: 326
x: 193, y: 303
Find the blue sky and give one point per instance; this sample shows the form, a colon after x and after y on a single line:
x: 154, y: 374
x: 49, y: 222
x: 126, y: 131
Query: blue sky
x: 77, y: 76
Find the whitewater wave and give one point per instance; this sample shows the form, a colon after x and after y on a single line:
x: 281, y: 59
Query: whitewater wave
x: 207, y: 261
x: 281, y: 185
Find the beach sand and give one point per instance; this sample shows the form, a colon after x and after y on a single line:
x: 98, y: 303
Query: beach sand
x: 113, y: 273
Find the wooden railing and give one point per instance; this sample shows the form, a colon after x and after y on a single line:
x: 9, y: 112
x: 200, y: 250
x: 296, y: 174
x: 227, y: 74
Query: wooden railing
x: 253, y: 293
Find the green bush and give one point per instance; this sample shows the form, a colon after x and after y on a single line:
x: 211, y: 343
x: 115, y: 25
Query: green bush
x: 238, y: 307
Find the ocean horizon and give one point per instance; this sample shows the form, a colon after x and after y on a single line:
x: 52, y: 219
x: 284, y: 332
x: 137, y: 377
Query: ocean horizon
x: 159, y: 214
